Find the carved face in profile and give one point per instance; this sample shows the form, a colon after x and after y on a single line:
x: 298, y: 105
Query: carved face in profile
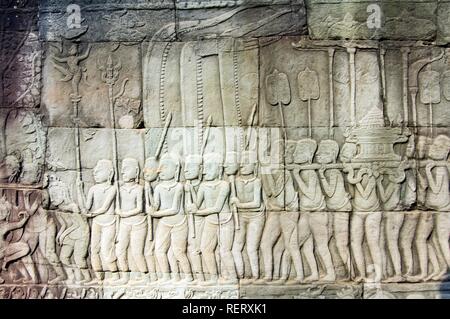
x: 248, y: 163
x: 231, y: 165
x: 348, y: 152
x: 10, y: 168
x: 289, y: 152
x: 211, y: 168
x: 304, y: 152
x: 151, y: 169
x: 440, y: 148
x: 327, y: 152
x: 192, y: 167
x: 167, y: 169
x: 103, y: 171
x: 130, y: 170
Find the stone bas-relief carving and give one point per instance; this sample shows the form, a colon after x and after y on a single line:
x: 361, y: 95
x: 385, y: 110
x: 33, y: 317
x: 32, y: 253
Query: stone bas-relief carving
x: 213, y: 161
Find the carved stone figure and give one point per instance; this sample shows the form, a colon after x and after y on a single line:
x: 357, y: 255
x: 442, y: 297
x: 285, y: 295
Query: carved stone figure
x: 100, y: 206
x: 172, y: 227
x: 338, y: 200
x: 282, y: 217
x: 313, y: 205
x: 251, y: 214
x: 365, y: 220
x: 133, y: 222
x: 15, y: 251
x: 212, y: 202
x: 192, y: 174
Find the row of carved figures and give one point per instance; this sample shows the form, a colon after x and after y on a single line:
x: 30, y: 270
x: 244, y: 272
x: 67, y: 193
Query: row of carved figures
x: 226, y: 217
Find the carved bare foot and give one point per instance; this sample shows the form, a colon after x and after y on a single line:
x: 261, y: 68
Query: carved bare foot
x: 262, y: 281
x: 312, y: 278
x: 247, y: 281
x: 92, y: 282
x: 359, y: 279
x: 295, y: 281
x: 280, y: 281
x: 396, y: 278
x: 227, y: 281
x: 417, y: 278
x: 187, y: 279
x: 441, y: 276
x: 56, y: 280
x: 328, y: 278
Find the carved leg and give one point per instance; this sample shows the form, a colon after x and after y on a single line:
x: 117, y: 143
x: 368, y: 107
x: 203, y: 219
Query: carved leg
x: 341, y: 235
x: 207, y: 247
x: 238, y: 246
x: 288, y: 221
x: 305, y: 241
x: 407, y: 234
x: 357, y: 236
x: 318, y: 222
x: 162, y: 244
x: 149, y: 255
x: 254, y: 234
x: 123, y: 242
x: 424, y: 229
x: 179, y: 247
x: 373, y: 230
x: 271, y: 233
x: 226, y: 236
x: 443, y: 232
x: 80, y: 257
x: 194, y: 250
x: 137, y: 243
x: 107, y: 252
x: 394, y: 222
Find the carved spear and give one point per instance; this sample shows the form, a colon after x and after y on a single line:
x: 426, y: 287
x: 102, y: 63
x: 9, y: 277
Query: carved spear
x: 309, y: 89
x: 110, y: 75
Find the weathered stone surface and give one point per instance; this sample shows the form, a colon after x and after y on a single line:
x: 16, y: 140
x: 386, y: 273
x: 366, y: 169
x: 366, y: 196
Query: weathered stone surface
x: 85, y: 89
x: 355, y: 20
x: 214, y: 149
x: 247, y: 20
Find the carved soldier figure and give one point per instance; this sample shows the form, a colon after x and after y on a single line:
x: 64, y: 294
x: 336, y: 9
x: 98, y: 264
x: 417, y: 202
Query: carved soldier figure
x: 366, y: 219
x: 150, y: 176
x: 212, y: 202
x: 73, y: 235
x: 172, y: 227
x: 313, y: 205
x: 337, y: 198
x: 438, y: 194
x: 192, y: 173
x: 391, y: 200
x: 133, y: 222
x: 100, y: 206
x: 251, y: 214
x: 40, y: 232
x: 10, y: 252
x: 281, y: 201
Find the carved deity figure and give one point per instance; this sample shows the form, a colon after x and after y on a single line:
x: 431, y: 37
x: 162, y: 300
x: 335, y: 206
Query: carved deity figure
x: 366, y: 219
x: 212, y: 202
x: 192, y: 174
x: 19, y: 250
x: 73, y: 72
x: 133, y: 222
x: 438, y: 193
x: 390, y: 197
x: 172, y: 229
x: 337, y: 198
x: 100, y: 206
x: 313, y: 205
x: 73, y: 235
x: 251, y: 213
x: 281, y: 201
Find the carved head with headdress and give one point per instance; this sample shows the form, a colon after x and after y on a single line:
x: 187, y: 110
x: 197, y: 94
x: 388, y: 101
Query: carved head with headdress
x: 304, y: 152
